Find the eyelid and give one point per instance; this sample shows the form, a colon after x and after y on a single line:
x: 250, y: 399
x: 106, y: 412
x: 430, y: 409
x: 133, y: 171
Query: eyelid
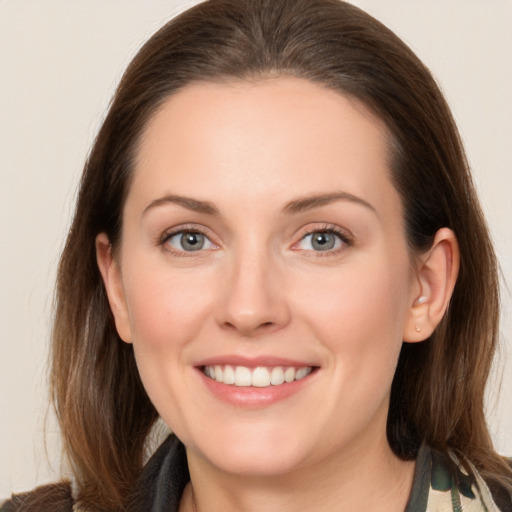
x: 185, y: 228
x: 347, y: 239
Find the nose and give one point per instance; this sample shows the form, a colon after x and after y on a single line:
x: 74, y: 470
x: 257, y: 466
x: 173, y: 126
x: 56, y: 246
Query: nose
x: 254, y: 299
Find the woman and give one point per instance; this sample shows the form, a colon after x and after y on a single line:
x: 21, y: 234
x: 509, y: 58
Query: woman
x: 278, y: 250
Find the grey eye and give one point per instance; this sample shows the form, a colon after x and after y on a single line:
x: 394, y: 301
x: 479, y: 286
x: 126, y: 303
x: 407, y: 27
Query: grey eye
x: 320, y: 241
x: 189, y: 241
x: 323, y: 241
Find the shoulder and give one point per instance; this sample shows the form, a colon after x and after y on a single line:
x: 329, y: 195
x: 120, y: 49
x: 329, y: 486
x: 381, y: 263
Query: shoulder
x: 54, y: 497
x: 162, y: 481
x: 444, y: 482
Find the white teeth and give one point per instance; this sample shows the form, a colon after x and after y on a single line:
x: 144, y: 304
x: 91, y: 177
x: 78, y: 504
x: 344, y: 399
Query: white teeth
x: 277, y: 376
x: 242, y: 376
x: 229, y: 375
x: 289, y: 374
x: 260, y: 377
x: 301, y: 373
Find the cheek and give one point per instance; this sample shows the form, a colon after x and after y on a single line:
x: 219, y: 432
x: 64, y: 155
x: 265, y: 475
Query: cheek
x: 167, y: 309
x: 359, y: 312
x: 167, y: 312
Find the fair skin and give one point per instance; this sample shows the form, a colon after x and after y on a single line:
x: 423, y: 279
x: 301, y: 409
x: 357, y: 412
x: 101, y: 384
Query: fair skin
x: 262, y: 229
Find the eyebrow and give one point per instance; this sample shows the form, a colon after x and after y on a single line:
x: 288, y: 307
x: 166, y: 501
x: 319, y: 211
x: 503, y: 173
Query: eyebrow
x: 187, y: 202
x: 315, y: 201
x: 296, y: 206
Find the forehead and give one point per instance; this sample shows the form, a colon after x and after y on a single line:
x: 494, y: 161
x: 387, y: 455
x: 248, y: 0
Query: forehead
x: 283, y: 137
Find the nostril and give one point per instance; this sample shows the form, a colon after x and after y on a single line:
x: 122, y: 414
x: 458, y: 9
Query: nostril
x: 250, y: 328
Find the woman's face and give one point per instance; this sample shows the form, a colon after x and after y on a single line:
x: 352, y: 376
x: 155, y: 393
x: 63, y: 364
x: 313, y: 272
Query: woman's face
x: 263, y: 242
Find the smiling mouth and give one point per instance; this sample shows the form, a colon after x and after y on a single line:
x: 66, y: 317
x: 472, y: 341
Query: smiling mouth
x: 259, y: 377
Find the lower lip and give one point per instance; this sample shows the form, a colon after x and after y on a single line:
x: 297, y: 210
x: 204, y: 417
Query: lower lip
x: 253, y: 397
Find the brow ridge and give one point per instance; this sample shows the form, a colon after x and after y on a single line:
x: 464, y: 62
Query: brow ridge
x: 187, y: 202
x: 295, y: 206
x: 317, y: 200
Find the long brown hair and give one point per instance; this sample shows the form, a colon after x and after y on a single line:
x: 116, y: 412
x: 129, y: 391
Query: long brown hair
x: 438, y: 391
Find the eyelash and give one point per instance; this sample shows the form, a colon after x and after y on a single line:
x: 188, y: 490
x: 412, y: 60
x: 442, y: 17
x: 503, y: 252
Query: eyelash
x: 343, y: 236
x: 193, y: 229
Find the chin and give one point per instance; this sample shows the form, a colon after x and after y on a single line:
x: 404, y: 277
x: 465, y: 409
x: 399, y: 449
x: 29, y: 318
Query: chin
x: 261, y: 464
x: 254, y: 452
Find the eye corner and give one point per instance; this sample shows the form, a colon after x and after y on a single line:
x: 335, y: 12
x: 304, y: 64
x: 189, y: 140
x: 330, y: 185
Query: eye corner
x: 330, y: 240
x: 187, y: 241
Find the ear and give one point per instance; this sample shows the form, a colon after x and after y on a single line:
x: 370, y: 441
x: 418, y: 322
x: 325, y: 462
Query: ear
x: 112, y: 279
x: 437, y: 273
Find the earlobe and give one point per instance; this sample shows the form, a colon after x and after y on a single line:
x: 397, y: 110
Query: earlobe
x: 437, y: 274
x: 112, y: 280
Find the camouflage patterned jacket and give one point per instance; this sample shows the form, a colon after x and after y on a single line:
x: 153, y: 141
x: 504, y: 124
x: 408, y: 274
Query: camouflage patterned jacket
x: 440, y: 485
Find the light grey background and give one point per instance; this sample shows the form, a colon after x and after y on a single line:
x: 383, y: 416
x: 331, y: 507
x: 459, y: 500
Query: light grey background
x: 59, y: 63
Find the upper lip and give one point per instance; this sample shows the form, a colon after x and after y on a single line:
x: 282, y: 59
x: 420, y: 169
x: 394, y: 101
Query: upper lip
x: 253, y: 362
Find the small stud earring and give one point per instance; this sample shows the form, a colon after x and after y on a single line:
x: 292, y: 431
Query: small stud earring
x: 421, y: 300
x: 418, y: 328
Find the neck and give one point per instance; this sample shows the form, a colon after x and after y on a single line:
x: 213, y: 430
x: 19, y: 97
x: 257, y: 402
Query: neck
x: 369, y: 479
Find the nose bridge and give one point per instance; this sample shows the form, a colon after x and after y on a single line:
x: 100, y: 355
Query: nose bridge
x: 254, y: 295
